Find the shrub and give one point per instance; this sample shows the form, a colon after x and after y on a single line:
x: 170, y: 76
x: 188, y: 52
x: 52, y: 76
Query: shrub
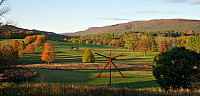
x: 88, y: 56
x: 174, y: 69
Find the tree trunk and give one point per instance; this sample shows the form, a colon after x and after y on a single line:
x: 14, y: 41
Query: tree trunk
x: 48, y: 64
x: 145, y: 53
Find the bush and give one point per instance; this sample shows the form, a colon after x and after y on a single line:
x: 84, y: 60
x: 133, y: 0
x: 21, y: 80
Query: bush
x: 175, y: 69
x: 88, y: 56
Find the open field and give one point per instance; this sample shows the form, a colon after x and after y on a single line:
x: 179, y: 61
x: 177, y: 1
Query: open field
x: 65, y: 55
x: 9, y: 40
x: 134, y: 80
x: 81, y: 76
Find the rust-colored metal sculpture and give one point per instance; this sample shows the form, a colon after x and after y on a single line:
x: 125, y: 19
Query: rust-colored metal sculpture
x: 110, y: 61
x: 163, y: 47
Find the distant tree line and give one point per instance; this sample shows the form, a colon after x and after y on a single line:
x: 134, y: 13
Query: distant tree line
x: 143, y: 41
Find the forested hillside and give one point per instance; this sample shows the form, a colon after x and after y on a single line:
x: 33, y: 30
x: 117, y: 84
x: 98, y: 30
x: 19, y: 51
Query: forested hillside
x: 179, y: 25
x: 13, y: 32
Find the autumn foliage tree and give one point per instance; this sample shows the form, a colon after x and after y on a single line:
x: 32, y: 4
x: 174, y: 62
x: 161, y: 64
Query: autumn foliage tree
x: 48, y: 55
x: 28, y: 40
x: 42, y: 38
x: 88, y: 56
x: 34, y: 38
x: 30, y: 49
x: 18, y: 47
x: 15, y: 44
x: 9, y: 53
x: 144, y: 46
x: 37, y: 43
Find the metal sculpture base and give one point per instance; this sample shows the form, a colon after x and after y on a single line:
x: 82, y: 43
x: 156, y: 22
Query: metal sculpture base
x: 110, y: 61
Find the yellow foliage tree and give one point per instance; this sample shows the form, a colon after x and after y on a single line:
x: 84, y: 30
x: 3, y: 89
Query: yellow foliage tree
x: 88, y: 56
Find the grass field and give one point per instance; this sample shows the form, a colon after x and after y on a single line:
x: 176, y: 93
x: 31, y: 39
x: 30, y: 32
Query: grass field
x: 65, y: 55
x: 9, y: 40
x: 134, y: 80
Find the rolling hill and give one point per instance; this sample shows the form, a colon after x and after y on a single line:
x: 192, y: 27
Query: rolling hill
x: 13, y: 32
x: 145, y: 26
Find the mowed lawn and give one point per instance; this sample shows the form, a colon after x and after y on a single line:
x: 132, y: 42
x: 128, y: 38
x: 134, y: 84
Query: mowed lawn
x: 134, y: 80
x: 65, y: 55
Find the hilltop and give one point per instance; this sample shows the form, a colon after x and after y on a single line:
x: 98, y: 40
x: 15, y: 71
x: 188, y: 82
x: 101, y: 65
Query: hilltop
x: 145, y: 26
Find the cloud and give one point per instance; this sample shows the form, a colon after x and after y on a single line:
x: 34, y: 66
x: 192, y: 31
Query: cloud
x: 174, y: 1
x: 154, y: 12
x: 180, y: 1
x: 115, y: 19
x: 193, y: 2
x: 166, y: 1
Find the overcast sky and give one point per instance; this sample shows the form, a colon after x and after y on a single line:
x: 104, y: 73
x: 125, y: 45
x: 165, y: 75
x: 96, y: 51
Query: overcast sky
x: 62, y: 16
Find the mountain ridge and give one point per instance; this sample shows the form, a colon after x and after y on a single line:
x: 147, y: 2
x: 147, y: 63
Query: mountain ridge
x: 153, y: 25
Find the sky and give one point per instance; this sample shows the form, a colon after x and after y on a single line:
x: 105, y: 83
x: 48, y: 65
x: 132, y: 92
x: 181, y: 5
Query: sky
x: 64, y: 16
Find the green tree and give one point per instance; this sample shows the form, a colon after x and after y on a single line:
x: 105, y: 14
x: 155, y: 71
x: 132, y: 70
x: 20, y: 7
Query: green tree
x: 175, y: 69
x: 88, y: 56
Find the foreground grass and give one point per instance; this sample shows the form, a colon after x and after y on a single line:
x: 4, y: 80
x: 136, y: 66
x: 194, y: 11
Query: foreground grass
x: 46, y: 89
x: 134, y: 80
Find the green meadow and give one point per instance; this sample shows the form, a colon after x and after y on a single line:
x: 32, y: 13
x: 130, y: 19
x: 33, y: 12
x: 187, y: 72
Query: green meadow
x: 134, y: 80
x: 66, y: 55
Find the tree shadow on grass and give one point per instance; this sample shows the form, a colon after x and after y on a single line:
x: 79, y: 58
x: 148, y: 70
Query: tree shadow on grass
x: 139, y: 85
x: 62, y: 76
x: 145, y: 60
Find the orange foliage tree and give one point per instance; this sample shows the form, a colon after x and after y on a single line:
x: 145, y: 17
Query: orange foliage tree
x: 9, y: 53
x: 144, y: 45
x: 48, y: 55
x: 37, y: 43
x: 31, y: 39
x: 18, y: 47
x: 28, y: 40
x: 30, y: 49
x: 42, y: 38
x: 15, y: 45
